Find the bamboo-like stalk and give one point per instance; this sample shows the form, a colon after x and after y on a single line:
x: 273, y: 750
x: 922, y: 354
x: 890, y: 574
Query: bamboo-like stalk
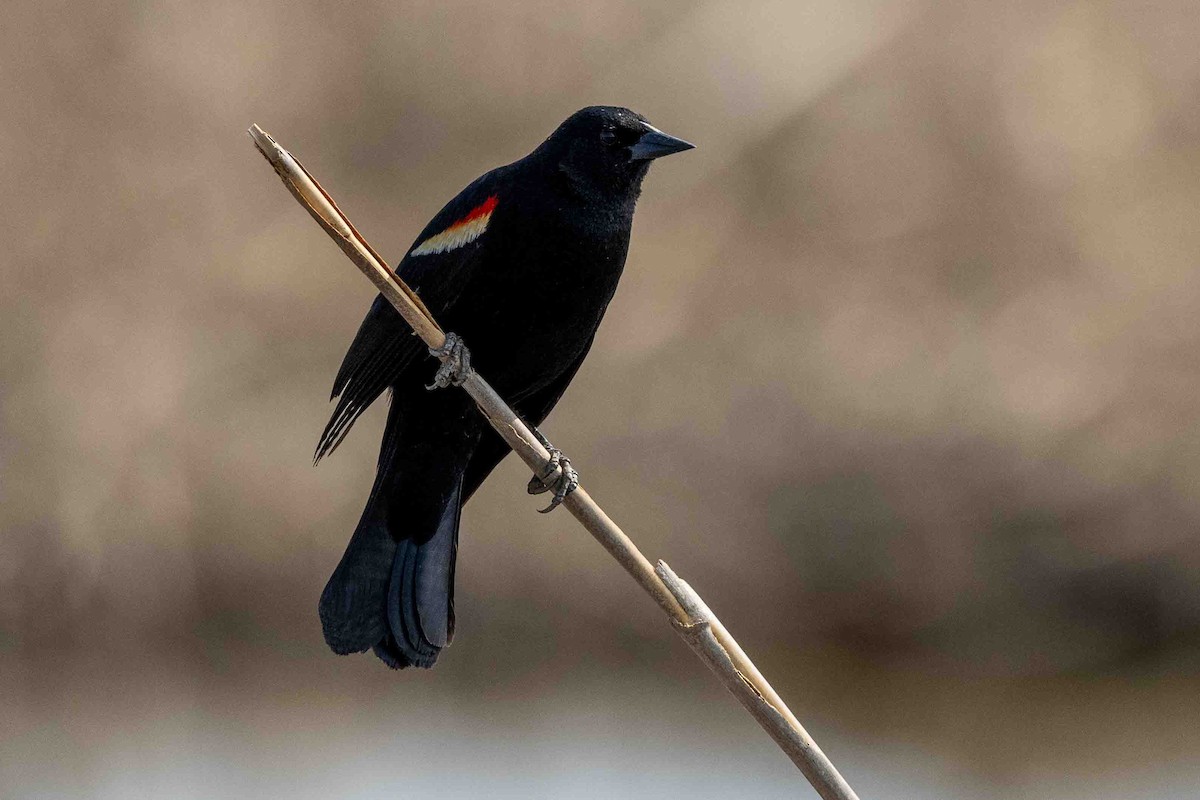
x: 698, y: 626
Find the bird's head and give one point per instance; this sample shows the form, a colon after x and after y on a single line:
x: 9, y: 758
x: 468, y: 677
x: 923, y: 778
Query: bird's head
x: 608, y: 149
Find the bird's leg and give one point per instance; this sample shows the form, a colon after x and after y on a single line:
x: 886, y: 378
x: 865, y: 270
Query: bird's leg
x: 568, y: 478
x: 456, y: 363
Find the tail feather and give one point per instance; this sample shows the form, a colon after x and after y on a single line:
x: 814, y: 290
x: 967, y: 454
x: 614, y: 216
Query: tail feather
x: 393, y: 590
x: 420, y: 596
x: 434, y: 585
x: 354, y: 600
x: 403, y: 611
x: 352, y: 606
x: 389, y: 653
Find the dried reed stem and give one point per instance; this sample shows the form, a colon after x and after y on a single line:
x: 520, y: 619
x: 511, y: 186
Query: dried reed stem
x: 703, y: 632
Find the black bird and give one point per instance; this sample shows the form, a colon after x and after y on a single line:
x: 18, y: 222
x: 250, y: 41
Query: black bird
x: 548, y: 232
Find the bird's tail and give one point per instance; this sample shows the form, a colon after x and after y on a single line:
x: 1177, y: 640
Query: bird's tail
x: 393, y: 590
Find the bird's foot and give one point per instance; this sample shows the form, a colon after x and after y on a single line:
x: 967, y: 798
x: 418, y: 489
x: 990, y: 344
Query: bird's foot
x: 567, y: 481
x: 456, y: 363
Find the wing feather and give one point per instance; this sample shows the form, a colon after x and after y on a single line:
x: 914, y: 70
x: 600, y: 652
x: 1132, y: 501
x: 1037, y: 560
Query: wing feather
x: 384, y: 346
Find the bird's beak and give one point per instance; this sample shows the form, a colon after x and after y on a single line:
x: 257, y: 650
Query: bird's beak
x: 656, y: 144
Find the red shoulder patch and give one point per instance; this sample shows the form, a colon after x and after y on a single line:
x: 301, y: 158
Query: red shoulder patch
x: 462, y: 232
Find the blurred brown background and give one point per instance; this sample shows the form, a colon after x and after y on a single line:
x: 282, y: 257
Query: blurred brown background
x: 903, y: 376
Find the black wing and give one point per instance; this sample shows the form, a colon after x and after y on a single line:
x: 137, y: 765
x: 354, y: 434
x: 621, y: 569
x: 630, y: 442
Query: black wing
x: 382, y: 349
x: 385, y: 345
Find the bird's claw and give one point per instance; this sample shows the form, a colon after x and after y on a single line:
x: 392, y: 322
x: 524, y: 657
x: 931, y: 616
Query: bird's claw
x: 456, y: 363
x: 568, y: 478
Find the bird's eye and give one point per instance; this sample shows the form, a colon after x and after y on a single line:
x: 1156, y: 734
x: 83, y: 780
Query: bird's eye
x: 608, y: 136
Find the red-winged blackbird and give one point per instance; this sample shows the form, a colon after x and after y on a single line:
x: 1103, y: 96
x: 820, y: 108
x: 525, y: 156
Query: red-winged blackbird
x: 521, y: 264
